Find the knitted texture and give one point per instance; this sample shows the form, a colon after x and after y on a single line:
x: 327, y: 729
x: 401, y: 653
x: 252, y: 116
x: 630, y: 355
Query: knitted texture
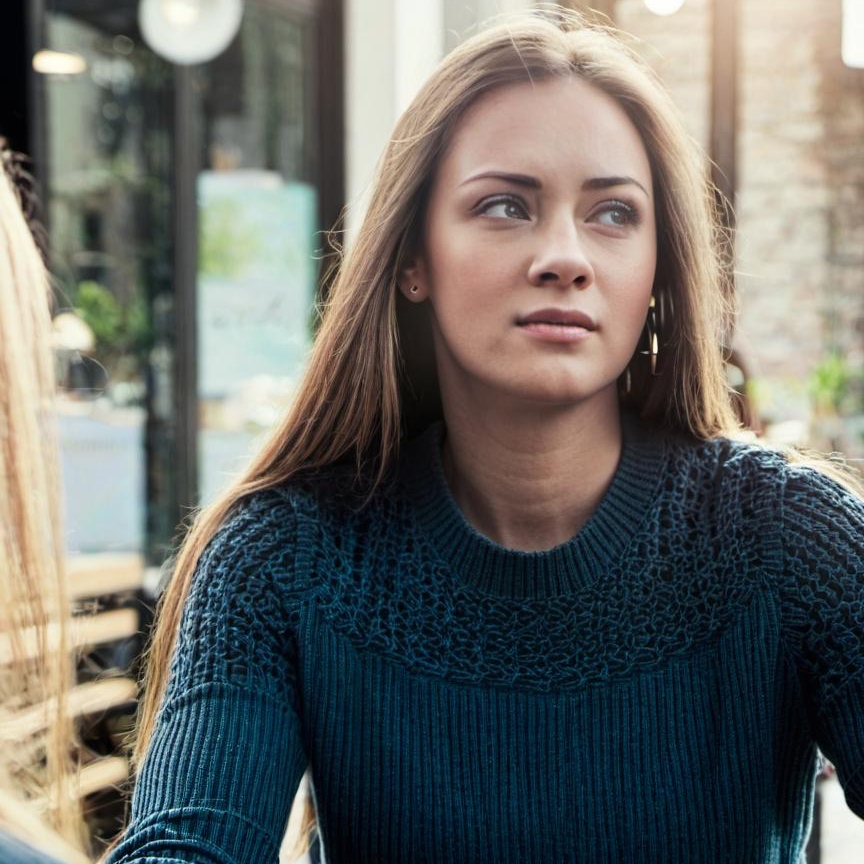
x: 652, y: 690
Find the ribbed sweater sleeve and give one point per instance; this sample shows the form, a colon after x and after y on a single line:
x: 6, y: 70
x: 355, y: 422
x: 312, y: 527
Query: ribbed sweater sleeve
x: 823, y: 542
x: 226, y: 756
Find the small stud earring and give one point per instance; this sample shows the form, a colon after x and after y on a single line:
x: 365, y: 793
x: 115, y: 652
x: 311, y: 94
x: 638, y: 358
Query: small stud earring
x: 414, y: 289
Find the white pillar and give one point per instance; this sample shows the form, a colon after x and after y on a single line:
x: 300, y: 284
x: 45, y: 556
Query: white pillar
x: 463, y: 18
x: 419, y: 45
x: 391, y: 47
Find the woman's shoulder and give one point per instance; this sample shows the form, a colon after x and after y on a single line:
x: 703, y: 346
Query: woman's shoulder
x: 740, y: 450
x: 789, y: 489
x: 804, y: 475
x: 258, y: 521
x: 257, y: 542
x: 735, y: 460
x: 719, y: 474
x: 281, y: 504
x: 276, y: 517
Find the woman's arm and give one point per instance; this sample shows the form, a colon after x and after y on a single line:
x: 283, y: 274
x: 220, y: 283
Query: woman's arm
x: 823, y: 541
x: 226, y: 755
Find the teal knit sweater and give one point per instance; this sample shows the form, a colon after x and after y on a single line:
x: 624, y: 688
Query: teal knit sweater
x: 652, y: 690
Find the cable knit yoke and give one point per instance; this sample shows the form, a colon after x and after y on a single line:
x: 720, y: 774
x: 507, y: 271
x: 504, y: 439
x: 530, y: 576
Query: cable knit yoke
x: 652, y: 690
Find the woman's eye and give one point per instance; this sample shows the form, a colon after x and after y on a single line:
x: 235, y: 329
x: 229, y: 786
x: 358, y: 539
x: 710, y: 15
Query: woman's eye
x: 503, y: 208
x: 618, y: 214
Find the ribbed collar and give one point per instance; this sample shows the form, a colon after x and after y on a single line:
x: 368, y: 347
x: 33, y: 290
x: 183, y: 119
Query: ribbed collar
x: 571, y: 566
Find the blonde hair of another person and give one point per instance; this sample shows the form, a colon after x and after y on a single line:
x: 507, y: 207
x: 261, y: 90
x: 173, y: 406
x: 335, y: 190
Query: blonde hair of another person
x: 370, y: 378
x: 37, y: 801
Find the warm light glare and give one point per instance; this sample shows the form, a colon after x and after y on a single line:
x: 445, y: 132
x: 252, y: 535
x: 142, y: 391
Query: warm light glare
x: 853, y: 33
x: 664, y: 7
x: 58, y: 63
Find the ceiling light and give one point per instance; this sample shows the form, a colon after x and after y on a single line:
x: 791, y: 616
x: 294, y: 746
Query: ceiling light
x: 58, y: 63
x: 189, y: 31
x: 664, y: 7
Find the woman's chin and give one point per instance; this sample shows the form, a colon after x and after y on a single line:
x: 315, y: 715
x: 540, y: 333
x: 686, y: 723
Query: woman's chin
x: 561, y: 394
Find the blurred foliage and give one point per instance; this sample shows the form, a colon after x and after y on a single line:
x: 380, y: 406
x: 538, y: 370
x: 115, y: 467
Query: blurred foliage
x: 835, y: 387
x: 118, y: 330
x: 99, y: 309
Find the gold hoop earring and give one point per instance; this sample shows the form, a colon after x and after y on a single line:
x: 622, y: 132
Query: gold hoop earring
x: 628, y: 380
x: 652, y: 337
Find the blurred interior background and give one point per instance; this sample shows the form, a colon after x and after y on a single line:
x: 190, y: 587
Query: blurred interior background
x: 186, y: 182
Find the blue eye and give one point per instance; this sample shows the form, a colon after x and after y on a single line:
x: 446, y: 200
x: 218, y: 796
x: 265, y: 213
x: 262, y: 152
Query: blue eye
x: 502, y: 207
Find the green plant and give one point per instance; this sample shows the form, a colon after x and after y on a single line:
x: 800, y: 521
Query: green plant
x: 118, y: 330
x: 100, y: 310
x: 834, y: 385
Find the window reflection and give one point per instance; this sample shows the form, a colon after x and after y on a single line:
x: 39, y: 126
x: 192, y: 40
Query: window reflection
x: 108, y: 197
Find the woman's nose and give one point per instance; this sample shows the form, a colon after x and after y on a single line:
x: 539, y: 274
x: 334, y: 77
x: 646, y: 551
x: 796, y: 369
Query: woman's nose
x: 561, y: 259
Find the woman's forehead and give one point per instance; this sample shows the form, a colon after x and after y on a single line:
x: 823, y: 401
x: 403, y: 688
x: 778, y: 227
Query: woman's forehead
x: 555, y: 125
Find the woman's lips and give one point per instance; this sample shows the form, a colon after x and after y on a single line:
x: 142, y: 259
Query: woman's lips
x: 555, y: 324
x: 556, y: 332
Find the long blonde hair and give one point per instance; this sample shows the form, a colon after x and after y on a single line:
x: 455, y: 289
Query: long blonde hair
x: 370, y: 379
x: 37, y: 799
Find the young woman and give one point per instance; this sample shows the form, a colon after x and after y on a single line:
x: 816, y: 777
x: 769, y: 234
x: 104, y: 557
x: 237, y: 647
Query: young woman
x: 38, y: 813
x: 503, y: 579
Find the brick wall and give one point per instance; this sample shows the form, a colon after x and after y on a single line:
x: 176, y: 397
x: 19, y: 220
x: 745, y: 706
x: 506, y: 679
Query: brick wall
x: 800, y: 205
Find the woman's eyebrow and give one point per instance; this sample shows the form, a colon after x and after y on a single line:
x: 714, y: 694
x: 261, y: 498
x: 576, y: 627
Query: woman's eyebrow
x: 606, y: 182
x: 533, y: 183
x: 518, y: 179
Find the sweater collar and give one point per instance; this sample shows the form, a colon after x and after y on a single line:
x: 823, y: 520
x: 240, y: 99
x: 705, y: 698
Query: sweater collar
x: 571, y: 566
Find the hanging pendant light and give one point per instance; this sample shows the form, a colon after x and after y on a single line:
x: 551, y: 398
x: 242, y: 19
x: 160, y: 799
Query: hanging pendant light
x: 189, y: 31
x: 664, y: 7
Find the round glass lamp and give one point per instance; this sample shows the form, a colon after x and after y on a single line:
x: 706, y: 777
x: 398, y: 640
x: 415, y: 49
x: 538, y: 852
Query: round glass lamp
x: 664, y: 7
x: 189, y: 31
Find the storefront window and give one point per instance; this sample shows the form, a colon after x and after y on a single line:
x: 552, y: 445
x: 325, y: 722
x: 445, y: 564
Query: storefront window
x: 107, y: 182
x: 111, y: 178
x: 258, y: 214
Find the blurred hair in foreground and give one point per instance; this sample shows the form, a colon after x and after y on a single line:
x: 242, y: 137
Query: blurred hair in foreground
x: 37, y: 795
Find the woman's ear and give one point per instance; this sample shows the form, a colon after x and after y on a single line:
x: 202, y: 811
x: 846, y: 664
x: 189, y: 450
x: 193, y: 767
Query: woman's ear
x: 412, y: 281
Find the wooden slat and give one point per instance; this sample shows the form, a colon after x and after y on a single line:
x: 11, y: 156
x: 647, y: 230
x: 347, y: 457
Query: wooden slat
x: 104, y: 627
x: 84, y: 699
x: 103, y: 573
x: 84, y: 630
x: 109, y: 771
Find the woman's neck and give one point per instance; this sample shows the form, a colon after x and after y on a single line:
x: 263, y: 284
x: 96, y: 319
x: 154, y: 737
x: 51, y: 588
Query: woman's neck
x: 530, y: 481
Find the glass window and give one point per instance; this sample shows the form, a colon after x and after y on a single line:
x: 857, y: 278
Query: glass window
x: 107, y: 183
x: 257, y: 217
x: 111, y: 135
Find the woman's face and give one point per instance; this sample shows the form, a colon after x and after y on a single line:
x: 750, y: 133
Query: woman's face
x: 541, y: 209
